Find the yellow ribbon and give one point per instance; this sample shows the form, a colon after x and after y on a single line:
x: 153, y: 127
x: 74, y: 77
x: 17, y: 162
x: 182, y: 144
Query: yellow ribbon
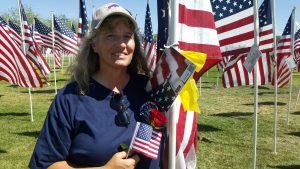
x: 189, y: 94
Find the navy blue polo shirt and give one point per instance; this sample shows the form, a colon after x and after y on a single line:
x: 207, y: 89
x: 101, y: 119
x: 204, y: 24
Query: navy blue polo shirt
x: 81, y: 129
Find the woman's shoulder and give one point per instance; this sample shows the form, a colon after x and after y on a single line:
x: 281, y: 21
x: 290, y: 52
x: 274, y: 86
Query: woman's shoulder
x: 69, y: 88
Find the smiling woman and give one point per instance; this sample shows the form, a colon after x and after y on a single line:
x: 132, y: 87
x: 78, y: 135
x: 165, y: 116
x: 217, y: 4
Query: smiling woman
x: 97, y: 112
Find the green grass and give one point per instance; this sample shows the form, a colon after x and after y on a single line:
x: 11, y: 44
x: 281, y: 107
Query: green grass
x: 225, y: 124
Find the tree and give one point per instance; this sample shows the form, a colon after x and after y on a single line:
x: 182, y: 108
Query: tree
x: 13, y: 15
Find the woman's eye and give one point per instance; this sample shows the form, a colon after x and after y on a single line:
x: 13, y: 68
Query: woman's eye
x: 110, y: 36
x: 128, y: 36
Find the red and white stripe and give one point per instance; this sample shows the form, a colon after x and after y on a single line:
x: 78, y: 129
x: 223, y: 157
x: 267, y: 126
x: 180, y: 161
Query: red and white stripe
x: 150, y: 55
x: 284, y: 73
x: 186, y: 137
x: 69, y: 44
x: 196, y: 35
x: 37, y: 38
x: 237, y: 75
x: 37, y: 58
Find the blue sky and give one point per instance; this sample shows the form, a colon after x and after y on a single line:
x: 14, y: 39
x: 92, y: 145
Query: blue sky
x: 70, y: 8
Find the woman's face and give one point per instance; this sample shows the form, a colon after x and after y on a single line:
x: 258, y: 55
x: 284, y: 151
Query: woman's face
x: 115, y: 45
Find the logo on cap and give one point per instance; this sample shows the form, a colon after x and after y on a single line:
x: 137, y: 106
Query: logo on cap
x: 112, y: 5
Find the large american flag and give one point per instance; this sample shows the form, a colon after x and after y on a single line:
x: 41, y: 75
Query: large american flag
x: 11, y: 32
x: 15, y: 32
x: 284, y: 73
x: 297, y: 49
x: 146, y: 140
x: 197, y: 33
x: 44, y: 32
x: 65, y: 37
x: 32, y: 50
x: 197, y: 30
x: 236, y: 74
x: 149, y: 45
x: 235, y: 26
x: 15, y: 68
x: 26, y: 27
x: 83, y: 24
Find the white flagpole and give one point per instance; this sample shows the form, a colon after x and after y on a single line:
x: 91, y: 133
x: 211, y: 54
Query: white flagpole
x: 24, y: 50
x: 53, y: 49
x: 290, y: 99
x: 255, y: 86
x: 200, y: 86
x: 218, y: 75
x: 298, y: 97
x: 173, y: 39
x: 275, y: 75
x: 292, y: 54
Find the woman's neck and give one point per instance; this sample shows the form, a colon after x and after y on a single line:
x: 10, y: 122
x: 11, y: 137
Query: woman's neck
x: 115, y: 80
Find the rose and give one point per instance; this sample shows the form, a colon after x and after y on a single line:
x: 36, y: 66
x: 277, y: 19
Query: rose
x: 157, y: 119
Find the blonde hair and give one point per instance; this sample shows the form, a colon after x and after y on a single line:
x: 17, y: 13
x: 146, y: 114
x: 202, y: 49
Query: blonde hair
x: 87, y: 61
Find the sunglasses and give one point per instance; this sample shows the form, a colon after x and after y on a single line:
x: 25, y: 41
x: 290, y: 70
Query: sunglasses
x: 117, y: 103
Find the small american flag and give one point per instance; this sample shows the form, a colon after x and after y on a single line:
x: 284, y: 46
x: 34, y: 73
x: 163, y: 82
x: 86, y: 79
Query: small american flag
x: 149, y: 45
x: 83, y: 24
x: 146, y: 140
x: 65, y: 37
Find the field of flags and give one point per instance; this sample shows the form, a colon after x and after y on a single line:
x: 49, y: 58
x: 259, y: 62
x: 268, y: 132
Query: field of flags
x: 235, y: 37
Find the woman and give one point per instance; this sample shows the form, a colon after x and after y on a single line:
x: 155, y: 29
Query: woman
x: 91, y: 116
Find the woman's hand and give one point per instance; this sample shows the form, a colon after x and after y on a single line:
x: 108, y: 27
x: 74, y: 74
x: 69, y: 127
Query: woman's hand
x: 119, y: 161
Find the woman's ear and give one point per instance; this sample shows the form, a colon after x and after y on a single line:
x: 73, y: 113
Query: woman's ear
x: 93, y: 46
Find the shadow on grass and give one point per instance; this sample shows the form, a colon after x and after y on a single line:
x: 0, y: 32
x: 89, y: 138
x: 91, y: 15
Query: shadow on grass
x: 30, y: 133
x: 206, y: 140
x: 296, y: 113
x: 205, y: 82
x: 262, y: 87
x: 207, y: 128
x: 263, y: 93
x: 286, y: 166
x: 21, y: 114
x: 233, y: 114
x: 2, y: 151
x: 49, y: 91
x: 294, y: 134
x: 13, y: 86
x: 59, y: 80
x: 206, y: 87
x: 266, y: 104
x: 1, y: 95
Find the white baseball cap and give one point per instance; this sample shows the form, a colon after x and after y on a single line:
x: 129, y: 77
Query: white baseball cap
x: 100, y: 14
